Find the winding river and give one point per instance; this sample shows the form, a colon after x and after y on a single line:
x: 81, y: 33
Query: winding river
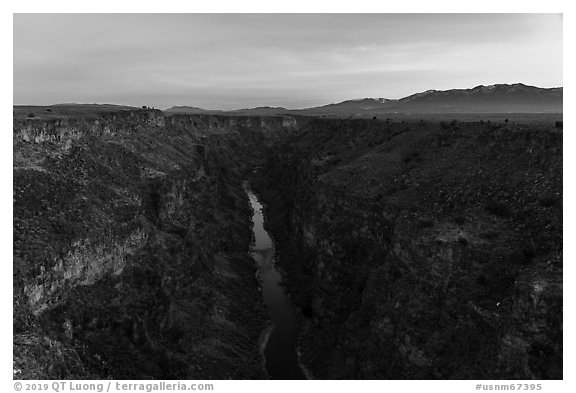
x: 280, y: 345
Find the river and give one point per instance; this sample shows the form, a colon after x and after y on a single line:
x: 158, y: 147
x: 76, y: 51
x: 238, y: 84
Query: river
x: 280, y: 346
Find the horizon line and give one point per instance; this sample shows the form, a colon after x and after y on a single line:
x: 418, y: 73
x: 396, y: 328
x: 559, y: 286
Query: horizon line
x: 282, y: 107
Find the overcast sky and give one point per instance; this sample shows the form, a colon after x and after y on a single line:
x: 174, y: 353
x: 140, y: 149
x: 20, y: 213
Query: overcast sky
x: 229, y: 61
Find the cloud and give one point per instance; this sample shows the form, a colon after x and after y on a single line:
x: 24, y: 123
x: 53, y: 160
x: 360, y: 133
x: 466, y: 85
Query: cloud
x: 293, y: 60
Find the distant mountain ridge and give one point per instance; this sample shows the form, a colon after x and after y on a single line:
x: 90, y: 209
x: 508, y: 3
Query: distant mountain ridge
x: 190, y: 109
x: 493, y: 98
x: 498, y: 98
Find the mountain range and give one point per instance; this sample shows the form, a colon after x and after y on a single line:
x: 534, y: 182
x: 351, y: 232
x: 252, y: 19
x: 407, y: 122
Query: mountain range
x: 499, y: 98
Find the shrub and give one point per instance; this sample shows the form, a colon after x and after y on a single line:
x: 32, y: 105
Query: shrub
x: 498, y: 208
x: 411, y: 156
x: 523, y: 256
x: 390, y: 191
x: 481, y: 280
x: 548, y: 200
x: 490, y: 235
x: 426, y: 223
x: 529, y: 252
x: 460, y: 220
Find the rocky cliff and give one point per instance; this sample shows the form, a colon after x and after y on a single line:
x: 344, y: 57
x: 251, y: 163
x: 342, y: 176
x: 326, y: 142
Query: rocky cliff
x: 418, y: 249
x: 428, y: 250
x: 131, y: 239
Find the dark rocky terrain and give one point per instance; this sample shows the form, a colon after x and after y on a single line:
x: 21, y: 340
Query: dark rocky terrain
x: 413, y: 249
x: 131, y: 239
x: 422, y: 250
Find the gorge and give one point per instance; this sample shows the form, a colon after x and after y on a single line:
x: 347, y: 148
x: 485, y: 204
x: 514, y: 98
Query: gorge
x: 409, y: 248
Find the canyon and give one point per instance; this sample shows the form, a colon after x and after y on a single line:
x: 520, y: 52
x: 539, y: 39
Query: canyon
x: 409, y: 248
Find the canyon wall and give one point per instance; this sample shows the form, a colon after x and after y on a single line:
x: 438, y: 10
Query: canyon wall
x: 421, y: 250
x: 131, y: 239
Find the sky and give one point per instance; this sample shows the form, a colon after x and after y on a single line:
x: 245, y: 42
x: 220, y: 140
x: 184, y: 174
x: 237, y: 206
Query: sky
x: 232, y: 61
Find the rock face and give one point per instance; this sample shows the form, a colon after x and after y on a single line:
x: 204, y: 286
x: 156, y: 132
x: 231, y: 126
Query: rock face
x: 131, y: 239
x: 422, y: 250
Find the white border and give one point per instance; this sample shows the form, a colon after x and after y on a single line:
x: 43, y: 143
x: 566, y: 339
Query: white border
x: 257, y: 6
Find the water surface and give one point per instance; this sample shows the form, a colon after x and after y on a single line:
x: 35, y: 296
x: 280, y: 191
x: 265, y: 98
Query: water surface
x: 280, y: 349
